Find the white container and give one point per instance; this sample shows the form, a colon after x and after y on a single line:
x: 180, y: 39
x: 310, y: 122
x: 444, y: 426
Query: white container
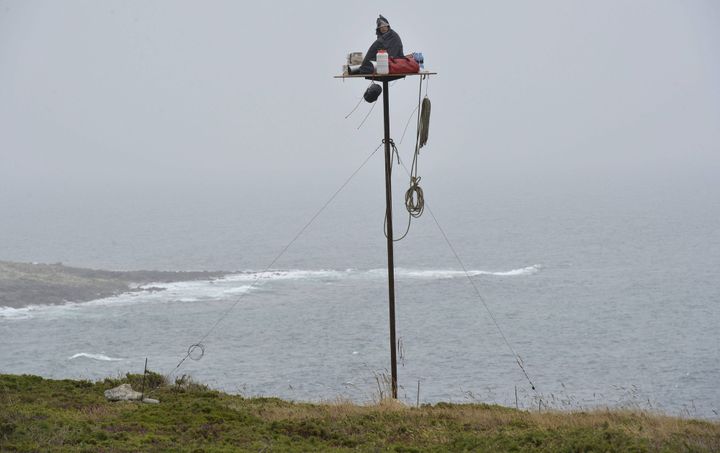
x: 383, y: 63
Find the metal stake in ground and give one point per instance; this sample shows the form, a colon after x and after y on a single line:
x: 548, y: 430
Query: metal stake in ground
x: 142, y: 392
x: 388, y: 214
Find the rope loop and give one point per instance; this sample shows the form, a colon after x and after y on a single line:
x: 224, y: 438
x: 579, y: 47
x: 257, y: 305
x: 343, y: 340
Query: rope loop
x: 414, y: 198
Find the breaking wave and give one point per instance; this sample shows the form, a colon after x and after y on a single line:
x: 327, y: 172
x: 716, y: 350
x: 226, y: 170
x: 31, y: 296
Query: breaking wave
x: 233, y: 285
x: 101, y: 357
x: 296, y: 274
x: 444, y: 274
x: 251, y: 276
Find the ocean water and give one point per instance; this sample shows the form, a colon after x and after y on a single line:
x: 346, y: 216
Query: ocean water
x: 609, y: 299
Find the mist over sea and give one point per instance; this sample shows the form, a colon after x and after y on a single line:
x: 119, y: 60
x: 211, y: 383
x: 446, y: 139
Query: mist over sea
x: 610, y: 296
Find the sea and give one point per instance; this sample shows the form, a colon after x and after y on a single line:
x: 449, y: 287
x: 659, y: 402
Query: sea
x: 519, y: 297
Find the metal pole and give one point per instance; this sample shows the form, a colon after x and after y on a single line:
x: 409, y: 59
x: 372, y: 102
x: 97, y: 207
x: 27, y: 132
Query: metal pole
x: 142, y: 392
x: 388, y: 214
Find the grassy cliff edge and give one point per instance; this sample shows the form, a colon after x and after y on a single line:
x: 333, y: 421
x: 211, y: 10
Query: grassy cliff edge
x: 39, y: 414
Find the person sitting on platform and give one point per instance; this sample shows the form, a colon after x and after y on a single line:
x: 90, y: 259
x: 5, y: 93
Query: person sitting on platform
x: 387, y: 39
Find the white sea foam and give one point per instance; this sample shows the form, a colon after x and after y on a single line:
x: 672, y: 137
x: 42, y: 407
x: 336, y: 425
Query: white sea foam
x: 515, y: 272
x: 15, y: 313
x: 263, y: 277
x: 101, y: 357
x: 183, y: 292
x: 452, y: 273
x: 294, y: 274
x: 233, y: 285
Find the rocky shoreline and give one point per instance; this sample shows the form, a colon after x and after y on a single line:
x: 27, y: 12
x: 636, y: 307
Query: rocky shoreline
x: 23, y: 284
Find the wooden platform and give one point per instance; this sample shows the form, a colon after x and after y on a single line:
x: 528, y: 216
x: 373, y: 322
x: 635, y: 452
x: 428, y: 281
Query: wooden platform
x: 384, y: 77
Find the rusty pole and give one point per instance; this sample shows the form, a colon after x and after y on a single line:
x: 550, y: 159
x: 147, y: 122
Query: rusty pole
x: 388, y: 214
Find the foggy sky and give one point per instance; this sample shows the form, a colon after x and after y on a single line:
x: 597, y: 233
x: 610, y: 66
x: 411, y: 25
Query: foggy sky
x: 197, y: 96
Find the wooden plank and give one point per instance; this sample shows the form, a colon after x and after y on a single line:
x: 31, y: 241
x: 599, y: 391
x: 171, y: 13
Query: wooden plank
x: 381, y: 76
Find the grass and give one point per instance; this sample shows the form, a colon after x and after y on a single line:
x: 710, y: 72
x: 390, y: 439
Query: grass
x: 39, y: 414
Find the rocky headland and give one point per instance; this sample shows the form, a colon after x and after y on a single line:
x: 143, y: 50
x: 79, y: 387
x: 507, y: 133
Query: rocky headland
x: 23, y: 284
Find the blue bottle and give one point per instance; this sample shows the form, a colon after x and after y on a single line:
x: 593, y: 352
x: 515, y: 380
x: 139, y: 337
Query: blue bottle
x: 418, y: 56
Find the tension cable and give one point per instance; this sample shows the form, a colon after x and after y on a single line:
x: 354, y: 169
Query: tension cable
x: 516, y: 356
x: 197, y: 350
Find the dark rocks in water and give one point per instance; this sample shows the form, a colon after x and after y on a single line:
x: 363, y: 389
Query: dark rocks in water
x: 150, y: 289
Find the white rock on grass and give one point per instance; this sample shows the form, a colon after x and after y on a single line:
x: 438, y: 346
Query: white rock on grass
x: 123, y: 393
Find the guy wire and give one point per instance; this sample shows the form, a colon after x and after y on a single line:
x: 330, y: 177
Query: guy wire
x: 354, y: 108
x: 368, y: 115
x: 407, y: 124
x: 517, y: 357
x: 362, y: 97
x: 277, y: 257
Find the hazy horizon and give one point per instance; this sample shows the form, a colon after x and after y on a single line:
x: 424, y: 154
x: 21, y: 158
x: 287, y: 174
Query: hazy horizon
x: 189, y: 96
x: 573, y: 162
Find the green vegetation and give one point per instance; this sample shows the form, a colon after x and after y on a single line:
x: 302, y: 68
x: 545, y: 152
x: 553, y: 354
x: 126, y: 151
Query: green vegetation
x: 39, y: 414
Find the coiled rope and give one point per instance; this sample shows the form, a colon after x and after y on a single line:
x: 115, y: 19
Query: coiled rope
x: 414, y: 199
x: 414, y: 196
x: 424, y: 121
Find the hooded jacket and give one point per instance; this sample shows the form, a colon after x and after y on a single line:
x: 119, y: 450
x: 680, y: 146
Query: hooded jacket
x: 389, y: 41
